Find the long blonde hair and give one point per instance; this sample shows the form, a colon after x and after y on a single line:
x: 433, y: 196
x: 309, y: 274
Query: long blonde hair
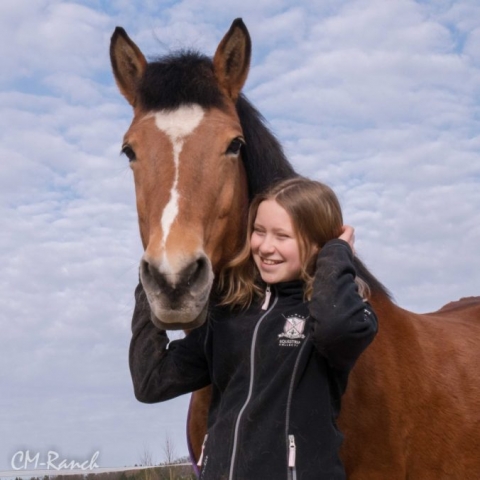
x: 316, y: 217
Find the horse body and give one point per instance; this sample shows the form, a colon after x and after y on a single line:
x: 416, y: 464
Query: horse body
x: 412, y: 406
x: 198, y: 151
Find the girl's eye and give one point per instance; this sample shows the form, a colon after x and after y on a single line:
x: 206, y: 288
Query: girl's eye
x: 128, y: 151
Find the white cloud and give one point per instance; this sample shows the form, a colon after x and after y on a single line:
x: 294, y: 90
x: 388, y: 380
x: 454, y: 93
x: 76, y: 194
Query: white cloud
x: 50, y: 35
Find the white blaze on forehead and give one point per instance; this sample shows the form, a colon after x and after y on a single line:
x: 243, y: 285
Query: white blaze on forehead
x: 181, y: 122
x: 177, y: 124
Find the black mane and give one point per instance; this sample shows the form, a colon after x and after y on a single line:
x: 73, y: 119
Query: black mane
x: 263, y: 156
x: 187, y: 78
x: 375, y: 285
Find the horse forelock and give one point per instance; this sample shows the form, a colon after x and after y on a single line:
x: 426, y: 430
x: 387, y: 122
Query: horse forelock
x: 181, y: 78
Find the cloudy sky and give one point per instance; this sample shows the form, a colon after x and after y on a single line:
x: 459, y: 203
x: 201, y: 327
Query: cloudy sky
x: 380, y: 99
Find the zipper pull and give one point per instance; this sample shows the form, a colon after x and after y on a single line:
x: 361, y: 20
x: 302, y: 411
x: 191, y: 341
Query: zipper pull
x: 268, y: 294
x: 200, y: 460
x: 291, y: 451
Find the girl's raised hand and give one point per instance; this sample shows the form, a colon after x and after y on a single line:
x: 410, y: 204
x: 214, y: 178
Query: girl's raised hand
x: 348, y: 234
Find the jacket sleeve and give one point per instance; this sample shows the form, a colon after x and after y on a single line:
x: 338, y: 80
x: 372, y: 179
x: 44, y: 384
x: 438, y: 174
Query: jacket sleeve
x: 161, y: 370
x: 343, y: 324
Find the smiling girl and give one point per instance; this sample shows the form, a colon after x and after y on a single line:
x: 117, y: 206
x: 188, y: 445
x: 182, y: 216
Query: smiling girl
x: 278, y: 345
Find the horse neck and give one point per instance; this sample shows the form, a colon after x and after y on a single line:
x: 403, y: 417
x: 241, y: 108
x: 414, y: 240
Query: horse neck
x: 383, y: 306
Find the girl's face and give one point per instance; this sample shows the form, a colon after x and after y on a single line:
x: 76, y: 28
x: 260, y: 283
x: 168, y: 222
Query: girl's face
x: 274, y: 244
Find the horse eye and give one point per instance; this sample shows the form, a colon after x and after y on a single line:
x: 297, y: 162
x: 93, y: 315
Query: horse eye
x: 128, y: 151
x: 235, y: 146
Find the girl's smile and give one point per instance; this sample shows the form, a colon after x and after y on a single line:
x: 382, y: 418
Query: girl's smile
x: 266, y: 261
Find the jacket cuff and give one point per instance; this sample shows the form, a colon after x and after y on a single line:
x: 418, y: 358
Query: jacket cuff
x: 335, y: 243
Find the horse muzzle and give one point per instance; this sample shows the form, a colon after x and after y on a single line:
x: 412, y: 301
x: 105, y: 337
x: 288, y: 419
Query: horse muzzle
x: 178, y: 298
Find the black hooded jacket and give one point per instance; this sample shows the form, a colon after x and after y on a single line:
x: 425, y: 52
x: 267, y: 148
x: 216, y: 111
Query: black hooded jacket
x: 277, y: 375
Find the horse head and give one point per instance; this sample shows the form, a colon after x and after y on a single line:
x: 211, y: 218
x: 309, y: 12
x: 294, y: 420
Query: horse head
x: 185, y: 146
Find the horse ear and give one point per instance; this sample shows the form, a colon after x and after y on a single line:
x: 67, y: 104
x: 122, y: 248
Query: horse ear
x: 128, y: 64
x: 232, y: 59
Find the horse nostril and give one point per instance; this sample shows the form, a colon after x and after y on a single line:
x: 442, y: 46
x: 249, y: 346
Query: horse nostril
x: 196, y: 271
x: 151, y: 276
x: 144, y: 268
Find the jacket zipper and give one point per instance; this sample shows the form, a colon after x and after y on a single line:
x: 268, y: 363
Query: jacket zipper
x: 268, y: 294
x: 292, y: 453
x: 292, y: 472
x: 250, y: 389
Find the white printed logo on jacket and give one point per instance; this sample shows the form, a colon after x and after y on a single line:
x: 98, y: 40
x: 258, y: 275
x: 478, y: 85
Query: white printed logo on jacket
x: 292, y: 331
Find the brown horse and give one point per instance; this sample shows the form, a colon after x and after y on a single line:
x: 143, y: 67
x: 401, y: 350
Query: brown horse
x: 199, y: 151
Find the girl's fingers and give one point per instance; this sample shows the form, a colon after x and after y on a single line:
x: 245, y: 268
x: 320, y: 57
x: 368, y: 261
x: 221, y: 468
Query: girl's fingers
x: 348, y: 236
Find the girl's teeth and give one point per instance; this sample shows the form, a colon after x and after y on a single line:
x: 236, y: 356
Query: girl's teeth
x: 269, y: 262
